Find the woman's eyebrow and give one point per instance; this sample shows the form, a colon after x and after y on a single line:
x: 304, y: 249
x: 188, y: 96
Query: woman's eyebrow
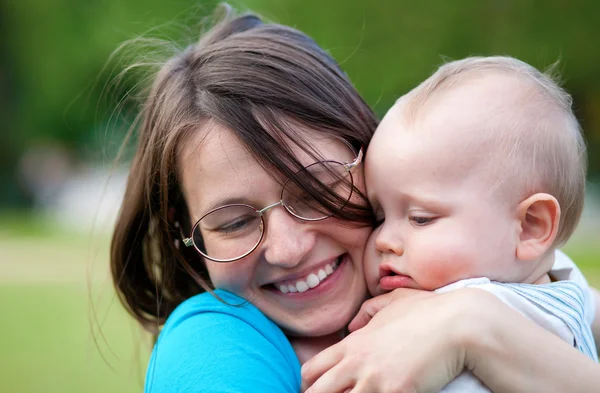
x: 226, y: 201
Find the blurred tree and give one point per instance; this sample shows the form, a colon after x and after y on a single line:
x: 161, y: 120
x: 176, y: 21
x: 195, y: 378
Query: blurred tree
x: 53, y: 53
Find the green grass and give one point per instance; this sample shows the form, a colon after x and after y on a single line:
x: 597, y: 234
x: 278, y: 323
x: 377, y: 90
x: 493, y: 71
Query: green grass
x: 62, y: 330
x: 47, y: 341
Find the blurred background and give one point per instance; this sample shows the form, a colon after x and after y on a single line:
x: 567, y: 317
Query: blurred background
x: 62, y: 122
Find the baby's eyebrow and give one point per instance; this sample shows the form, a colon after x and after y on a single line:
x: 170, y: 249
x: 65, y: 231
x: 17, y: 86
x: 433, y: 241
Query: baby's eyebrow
x: 426, y: 200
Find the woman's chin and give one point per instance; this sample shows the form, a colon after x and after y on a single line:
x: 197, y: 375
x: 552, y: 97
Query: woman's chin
x: 322, y: 322
x: 314, y: 330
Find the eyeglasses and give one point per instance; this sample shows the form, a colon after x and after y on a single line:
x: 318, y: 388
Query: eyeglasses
x: 231, y: 232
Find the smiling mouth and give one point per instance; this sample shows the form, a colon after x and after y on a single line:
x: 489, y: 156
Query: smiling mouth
x: 310, y: 281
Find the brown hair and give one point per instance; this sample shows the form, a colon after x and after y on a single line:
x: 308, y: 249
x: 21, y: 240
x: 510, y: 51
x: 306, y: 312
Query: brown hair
x: 258, y: 80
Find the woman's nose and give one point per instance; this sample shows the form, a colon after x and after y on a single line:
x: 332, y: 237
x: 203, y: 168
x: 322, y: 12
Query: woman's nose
x: 388, y: 240
x: 287, y: 240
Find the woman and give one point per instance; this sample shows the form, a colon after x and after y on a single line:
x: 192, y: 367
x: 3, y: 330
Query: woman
x: 247, y: 185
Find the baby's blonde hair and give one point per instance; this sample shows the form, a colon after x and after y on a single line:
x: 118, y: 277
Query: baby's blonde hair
x: 546, y: 152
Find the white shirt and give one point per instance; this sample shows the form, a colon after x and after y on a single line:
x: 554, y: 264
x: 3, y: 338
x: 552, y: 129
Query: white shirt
x: 565, y: 308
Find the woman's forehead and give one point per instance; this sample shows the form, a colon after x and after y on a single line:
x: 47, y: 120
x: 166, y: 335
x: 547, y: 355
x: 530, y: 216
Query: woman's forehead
x: 215, y: 146
x: 216, y: 166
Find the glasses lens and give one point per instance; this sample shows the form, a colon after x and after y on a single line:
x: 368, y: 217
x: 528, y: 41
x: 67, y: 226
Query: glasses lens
x: 228, y: 233
x: 330, y: 180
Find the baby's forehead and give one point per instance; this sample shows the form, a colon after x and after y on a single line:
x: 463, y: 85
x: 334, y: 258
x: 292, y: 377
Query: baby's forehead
x: 418, y: 149
x: 476, y: 99
x: 464, y: 131
x: 487, y: 111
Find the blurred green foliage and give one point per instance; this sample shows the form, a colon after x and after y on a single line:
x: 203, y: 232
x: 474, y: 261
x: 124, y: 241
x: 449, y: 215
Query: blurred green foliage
x: 53, y: 53
x: 49, y: 345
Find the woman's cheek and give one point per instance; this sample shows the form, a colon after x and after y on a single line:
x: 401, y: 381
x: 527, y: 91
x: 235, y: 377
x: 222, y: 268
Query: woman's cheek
x: 355, y: 240
x: 371, y: 261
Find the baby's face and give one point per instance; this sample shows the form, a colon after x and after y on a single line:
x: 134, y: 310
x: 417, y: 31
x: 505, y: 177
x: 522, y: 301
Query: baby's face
x: 440, y: 218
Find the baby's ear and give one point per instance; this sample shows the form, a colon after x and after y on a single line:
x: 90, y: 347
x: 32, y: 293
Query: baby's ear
x: 540, y: 217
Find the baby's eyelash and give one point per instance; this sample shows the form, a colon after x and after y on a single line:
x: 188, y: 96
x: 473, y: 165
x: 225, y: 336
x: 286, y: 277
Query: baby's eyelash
x: 421, y: 220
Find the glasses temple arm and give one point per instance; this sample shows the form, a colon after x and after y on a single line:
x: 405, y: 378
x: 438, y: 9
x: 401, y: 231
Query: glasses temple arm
x: 186, y: 240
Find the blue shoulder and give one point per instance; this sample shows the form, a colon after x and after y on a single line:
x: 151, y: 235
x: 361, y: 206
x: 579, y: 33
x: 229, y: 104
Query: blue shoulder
x: 208, y: 345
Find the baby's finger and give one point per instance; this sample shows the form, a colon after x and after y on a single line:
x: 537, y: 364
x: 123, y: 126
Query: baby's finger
x: 376, y: 304
x: 336, y: 380
x: 320, y: 364
x: 368, y: 310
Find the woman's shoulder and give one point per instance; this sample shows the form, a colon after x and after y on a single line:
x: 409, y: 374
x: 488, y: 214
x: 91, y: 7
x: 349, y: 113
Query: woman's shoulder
x: 215, y: 313
x: 221, y: 343
x: 214, y: 306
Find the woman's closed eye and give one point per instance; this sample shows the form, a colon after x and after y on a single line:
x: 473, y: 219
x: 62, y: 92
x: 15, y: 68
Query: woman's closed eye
x: 237, y: 225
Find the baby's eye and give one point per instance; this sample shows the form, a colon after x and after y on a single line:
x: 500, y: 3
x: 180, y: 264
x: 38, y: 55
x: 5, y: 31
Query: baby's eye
x: 421, y: 220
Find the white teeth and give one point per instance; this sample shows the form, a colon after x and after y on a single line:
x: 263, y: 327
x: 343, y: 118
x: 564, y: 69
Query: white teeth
x: 302, y: 286
x: 322, y: 275
x: 312, y: 280
x: 328, y: 269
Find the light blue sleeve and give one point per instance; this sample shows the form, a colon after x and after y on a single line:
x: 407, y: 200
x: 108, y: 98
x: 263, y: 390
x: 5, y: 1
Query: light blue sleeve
x: 207, y: 346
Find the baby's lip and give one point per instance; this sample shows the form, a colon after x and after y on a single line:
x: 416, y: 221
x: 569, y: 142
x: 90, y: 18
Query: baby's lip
x: 389, y: 283
x: 388, y: 269
x: 390, y: 278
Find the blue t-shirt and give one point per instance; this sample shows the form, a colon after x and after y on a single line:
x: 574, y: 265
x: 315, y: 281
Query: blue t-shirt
x: 209, y: 346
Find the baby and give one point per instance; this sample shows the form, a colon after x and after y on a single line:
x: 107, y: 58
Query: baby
x: 476, y: 177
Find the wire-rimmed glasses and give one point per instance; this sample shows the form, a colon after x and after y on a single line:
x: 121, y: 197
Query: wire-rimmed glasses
x: 231, y: 232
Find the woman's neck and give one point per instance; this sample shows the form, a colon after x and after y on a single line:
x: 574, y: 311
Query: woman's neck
x: 307, y: 347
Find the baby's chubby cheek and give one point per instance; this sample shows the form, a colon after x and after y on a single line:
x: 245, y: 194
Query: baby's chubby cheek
x: 371, y: 261
x: 438, y: 267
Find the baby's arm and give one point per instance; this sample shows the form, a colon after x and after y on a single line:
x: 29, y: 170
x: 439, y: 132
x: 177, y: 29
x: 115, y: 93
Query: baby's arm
x: 418, y: 341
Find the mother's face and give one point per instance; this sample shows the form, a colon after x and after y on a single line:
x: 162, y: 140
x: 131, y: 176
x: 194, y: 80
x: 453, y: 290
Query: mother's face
x: 277, y: 276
